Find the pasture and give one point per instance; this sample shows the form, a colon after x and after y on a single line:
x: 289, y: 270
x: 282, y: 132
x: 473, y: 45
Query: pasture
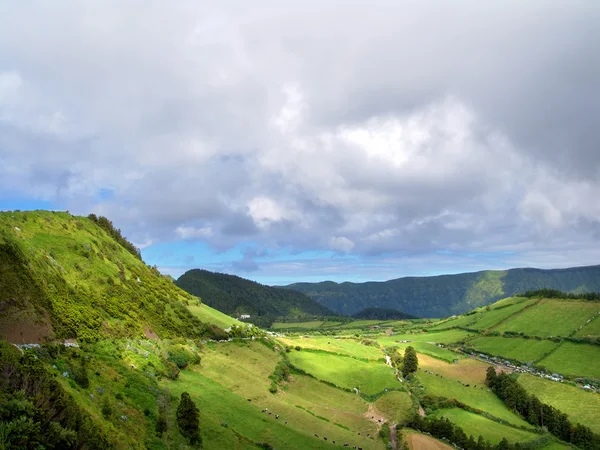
x: 468, y: 370
x: 581, y: 406
x: 551, y: 318
x: 293, y: 325
x: 488, y: 319
x: 345, y: 346
x: 345, y: 371
x: 476, y: 397
x: 574, y: 360
x: 591, y: 329
x: 419, y: 441
x: 474, y: 424
x: 439, y: 337
x: 236, y: 394
x: 395, y: 405
x: 210, y: 315
x: 514, y: 348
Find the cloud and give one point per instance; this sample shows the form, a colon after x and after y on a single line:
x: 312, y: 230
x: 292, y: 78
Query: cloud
x: 393, y: 130
x: 341, y: 244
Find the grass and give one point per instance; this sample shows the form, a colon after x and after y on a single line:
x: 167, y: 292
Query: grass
x: 291, y: 325
x: 439, y: 337
x: 210, y: 315
x: 475, y: 397
x: 419, y: 441
x: 232, y: 373
x: 591, y: 329
x: 514, y: 348
x: 369, y: 377
x: 467, y: 370
x: 581, y: 406
x: 488, y: 319
x: 574, y: 360
x: 424, y: 348
x: 474, y: 424
x: 396, y: 406
x: 551, y: 318
x: 351, y: 347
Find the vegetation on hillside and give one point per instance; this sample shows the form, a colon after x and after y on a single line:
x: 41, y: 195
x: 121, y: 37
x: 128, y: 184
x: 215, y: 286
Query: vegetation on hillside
x: 540, y: 414
x: 235, y: 296
x: 446, y: 295
x: 70, y: 278
x: 382, y: 314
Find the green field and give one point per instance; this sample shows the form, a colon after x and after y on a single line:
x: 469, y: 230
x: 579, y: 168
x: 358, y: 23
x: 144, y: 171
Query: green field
x: 475, y: 397
x: 467, y: 370
x: 222, y: 391
x: 574, y: 360
x: 488, y: 319
x: 395, y: 405
x: 581, y: 406
x: 474, y: 424
x: 210, y: 315
x: 292, y: 325
x: 551, y: 318
x: 351, y: 347
x: 591, y: 329
x: 428, y: 349
x: 459, y: 321
x: 514, y: 348
x: 346, y: 372
x: 439, y: 337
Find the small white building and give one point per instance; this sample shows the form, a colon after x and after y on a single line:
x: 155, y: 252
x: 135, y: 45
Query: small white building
x: 244, y: 316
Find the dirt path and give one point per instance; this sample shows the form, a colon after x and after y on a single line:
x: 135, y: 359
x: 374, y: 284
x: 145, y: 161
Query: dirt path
x: 394, y: 436
x: 421, y: 411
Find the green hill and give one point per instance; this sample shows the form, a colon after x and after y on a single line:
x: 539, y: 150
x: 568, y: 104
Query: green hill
x: 382, y: 314
x: 76, y: 277
x: 234, y: 295
x: 445, y: 295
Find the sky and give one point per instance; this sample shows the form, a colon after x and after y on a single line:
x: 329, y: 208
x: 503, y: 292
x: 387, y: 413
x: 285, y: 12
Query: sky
x: 311, y: 140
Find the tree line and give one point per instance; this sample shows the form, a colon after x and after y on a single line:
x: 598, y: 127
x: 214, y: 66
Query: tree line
x: 115, y: 233
x: 539, y: 414
x: 554, y: 293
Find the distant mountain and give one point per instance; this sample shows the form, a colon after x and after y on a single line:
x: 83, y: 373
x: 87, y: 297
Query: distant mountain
x: 236, y: 296
x: 382, y: 314
x: 446, y: 295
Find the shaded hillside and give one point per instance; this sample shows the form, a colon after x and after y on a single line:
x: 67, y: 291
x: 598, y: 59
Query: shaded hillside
x: 446, y: 295
x: 65, y: 277
x: 234, y: 295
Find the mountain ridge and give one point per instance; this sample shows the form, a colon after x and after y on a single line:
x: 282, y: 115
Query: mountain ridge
x: 445, y: 295
x: 232, y: 294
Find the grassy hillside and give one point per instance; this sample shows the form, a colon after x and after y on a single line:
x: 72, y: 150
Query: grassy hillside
x: 234, y: 295
x: 68, y: 277
x: 445, y: 295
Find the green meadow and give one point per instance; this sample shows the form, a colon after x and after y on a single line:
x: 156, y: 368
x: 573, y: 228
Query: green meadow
x: 551, y: 318
x: 478, y: 397
x: 345, y: 371
x: 574, y: 360
x: 514, y: 348
x: 475, y: 425
x: 581, y: 406
x: 345, y: 346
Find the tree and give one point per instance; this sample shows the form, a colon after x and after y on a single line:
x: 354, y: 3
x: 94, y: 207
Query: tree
x: 411, y: 362
x: 187, y: 419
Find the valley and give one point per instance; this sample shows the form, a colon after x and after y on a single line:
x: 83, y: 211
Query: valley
x: 98, y: 348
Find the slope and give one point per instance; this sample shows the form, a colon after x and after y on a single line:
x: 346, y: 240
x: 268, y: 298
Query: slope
x: 234, y: 295
x: 445, y: 295
x: 71, y: 277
